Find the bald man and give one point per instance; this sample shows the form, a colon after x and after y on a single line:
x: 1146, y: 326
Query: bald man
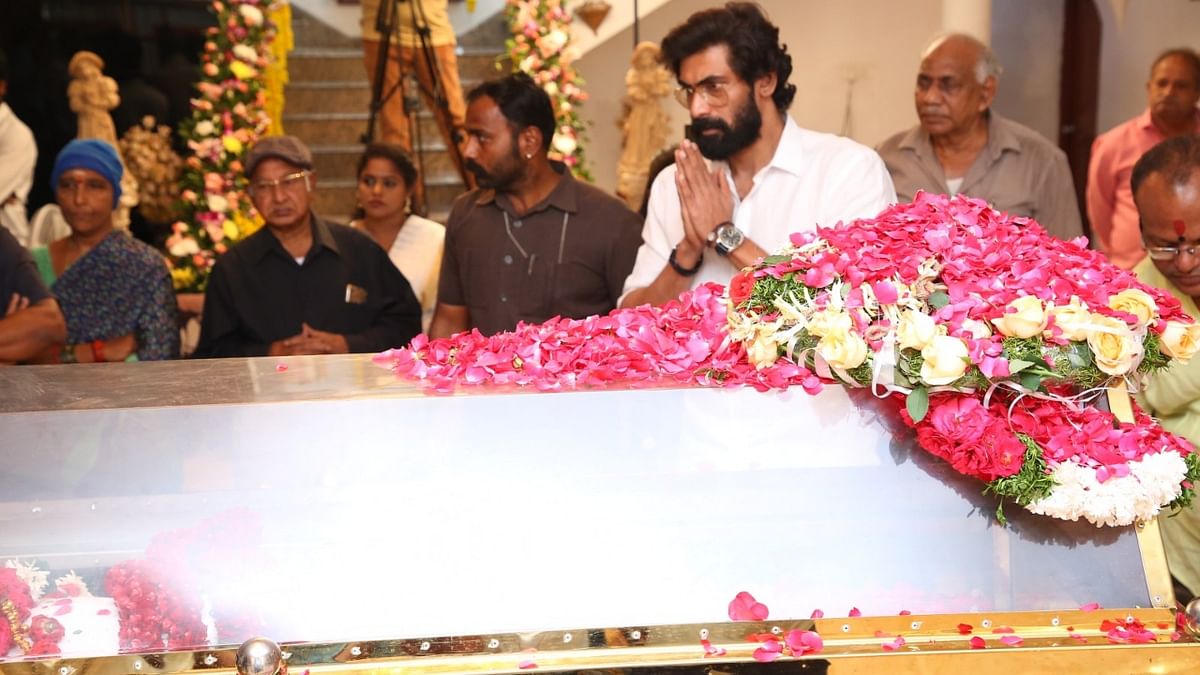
x: 962, y: 146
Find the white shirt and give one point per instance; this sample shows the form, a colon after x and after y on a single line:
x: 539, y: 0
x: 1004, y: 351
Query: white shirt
x: 18, y: 155
x: 813, y: 179
x: 417, y: 253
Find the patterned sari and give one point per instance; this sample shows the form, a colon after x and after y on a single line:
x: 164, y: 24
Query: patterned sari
x: 119, y: 287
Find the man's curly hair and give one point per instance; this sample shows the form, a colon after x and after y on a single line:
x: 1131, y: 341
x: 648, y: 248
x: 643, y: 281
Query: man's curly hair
x: 753, y: 42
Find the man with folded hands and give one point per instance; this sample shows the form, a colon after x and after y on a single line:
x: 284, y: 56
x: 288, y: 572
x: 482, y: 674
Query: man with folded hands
x: 301, y: 285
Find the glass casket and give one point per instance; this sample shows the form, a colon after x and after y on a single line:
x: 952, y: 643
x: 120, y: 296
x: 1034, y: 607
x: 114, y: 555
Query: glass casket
x: 365, y: 525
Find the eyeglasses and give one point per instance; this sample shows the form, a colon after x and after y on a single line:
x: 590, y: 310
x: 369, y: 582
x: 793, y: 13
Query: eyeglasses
x: 288, y: 182
x: 1164, y: 253
x: 714, y: 92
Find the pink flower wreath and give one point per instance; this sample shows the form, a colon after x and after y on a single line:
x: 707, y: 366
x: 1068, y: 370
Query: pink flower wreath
x: 994, y: 337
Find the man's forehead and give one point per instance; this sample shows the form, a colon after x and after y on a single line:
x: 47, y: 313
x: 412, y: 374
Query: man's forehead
x: 710, y: 62
x: 484, y: 113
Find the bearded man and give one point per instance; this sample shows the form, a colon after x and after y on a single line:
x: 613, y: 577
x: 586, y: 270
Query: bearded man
x: 768, y: 177
x: 531, y: 242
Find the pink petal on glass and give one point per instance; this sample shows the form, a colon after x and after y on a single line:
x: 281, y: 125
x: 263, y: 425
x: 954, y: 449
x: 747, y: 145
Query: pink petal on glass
x: 764, y: 655
x: 817, y: 614
x: 281, y: 367
x: 744, y: 607
x: 1090, y: 607
x: 1013, y: 640
x: 527, y: 665
x: 103, y: 612
x: 1003, y: 629
x: 65, y: 609
x: 854, y: 611
x: 965, y: 628
x: 905, y: 612
x: 893, y: 645
x: 978, y: 643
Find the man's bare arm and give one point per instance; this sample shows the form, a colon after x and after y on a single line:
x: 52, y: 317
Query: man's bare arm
x: 448, y: 320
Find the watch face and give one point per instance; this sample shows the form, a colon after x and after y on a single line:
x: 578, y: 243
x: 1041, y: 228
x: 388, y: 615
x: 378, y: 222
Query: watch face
x: 730, y: 237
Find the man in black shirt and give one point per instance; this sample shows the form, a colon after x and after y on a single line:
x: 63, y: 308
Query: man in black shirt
x: 301, y: 285
x: 30, y: 321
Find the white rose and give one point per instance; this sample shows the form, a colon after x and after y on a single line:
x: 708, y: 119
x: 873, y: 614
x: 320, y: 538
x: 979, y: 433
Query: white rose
x: 245, y: 52
x: 1136, y: 302
x: 205, y: 128
x: 183, y: 247
x: 1072, y: 319
x: 1180, y: 340
x: 763, y: 349
x: 555, y: 39
x: 217, y: 203
x: 843, y: 349
x: 915, y: 329
x: 976, y: 329
x: 252, y: 15
x: 946, y: 359
x: 1024, y: 317
x: 829, y: 321
x: 1117, y: 349
x: 564, y: 144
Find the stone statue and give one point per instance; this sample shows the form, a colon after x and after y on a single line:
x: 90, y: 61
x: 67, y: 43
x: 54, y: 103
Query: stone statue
x: 92, y: 95
x: 644, y: 122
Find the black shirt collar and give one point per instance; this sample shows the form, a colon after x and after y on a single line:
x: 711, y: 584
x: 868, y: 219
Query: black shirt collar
x: 264, y: 242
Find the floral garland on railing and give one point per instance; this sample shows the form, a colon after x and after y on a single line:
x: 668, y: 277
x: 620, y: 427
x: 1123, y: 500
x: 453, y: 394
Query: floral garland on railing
x: 228, y: 115
x: 994, y: 337
x: 539, y: 46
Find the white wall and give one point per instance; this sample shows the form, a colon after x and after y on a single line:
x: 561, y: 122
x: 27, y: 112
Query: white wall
x: 1150, y: 26
x: 879, y: 41
x: 1027, y: 37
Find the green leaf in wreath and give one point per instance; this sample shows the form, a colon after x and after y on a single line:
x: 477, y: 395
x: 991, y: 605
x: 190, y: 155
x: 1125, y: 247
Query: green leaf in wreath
x: 939, y: 299
x: 1017, y: 365
x: 917, y: 403
x: 776, y: 259
x: 1031, y: 381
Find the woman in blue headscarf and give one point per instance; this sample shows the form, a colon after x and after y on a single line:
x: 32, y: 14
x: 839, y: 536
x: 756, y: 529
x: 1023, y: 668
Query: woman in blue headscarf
x: 115, y: 292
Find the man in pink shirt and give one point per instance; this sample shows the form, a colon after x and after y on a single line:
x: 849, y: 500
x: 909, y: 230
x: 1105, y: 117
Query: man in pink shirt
x: 1172, y: 93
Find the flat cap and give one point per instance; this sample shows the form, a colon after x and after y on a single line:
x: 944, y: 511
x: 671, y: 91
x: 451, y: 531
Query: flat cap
x: 288, y: 148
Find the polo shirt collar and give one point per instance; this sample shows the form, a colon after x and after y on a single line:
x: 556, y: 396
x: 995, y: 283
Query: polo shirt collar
x: 264, y: 241
x: 1145, y: 121
x: 1000, y: 138
x: 564, y: 196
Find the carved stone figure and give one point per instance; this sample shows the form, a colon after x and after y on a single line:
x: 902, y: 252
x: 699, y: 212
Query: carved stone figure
x: 644, y: 122
x: 92, y: 95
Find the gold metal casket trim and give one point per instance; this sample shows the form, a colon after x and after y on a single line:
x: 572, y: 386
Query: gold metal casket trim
x: 933, y: 644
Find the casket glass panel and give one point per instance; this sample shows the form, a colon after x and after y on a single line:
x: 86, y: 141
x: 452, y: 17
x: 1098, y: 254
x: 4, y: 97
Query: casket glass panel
x: 330, y: 501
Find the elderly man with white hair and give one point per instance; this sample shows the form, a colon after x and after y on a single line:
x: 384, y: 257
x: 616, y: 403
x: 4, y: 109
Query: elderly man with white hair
x: 962, y: 146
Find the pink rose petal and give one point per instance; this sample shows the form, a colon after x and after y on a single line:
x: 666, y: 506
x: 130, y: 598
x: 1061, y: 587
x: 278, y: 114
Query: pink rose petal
x: 854, y: 612
x: 280, y: 367
x: 744, y: 607
x: 527, y: 665
x: 1012, y: 640
x: 1090, y: 607
x: 978, y: 643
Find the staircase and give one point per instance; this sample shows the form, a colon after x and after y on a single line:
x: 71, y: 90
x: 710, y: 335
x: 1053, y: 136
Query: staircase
x: 327, y: 101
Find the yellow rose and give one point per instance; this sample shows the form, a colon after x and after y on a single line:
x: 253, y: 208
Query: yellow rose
x: 764, y: 348
x: 232, y: 145
x: 1136, y: 302
x: 1116, y: 348
x: 843, y: 349
x: 242, y: 71
x: 915, y: 329
x: 1024, y: 317
x: 1180, y: 340
x: 827, y: 321
x: 946, y: 359
x: 230, y: 229
x: 1072, y: 319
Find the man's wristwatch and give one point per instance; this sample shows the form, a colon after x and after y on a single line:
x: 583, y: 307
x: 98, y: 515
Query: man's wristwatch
x: 725, y: 238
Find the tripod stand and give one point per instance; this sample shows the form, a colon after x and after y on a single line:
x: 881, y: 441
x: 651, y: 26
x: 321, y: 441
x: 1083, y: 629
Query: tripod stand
x: 418, y: 58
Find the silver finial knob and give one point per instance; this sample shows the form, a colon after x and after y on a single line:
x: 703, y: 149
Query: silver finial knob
x: 259, y: 656
x: 1191, y: 617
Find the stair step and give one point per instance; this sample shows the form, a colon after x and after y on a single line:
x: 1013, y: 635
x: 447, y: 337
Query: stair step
x: 346, y: 128
x: 341, y: 161
x: 312, y: 33
x: 332, y: 95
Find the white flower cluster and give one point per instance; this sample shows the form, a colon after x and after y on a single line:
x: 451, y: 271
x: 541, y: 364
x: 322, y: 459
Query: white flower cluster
x: 1153, y: 481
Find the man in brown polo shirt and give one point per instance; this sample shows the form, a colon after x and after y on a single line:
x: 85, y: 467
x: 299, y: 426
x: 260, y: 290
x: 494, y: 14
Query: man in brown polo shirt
x: 531, y: 242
